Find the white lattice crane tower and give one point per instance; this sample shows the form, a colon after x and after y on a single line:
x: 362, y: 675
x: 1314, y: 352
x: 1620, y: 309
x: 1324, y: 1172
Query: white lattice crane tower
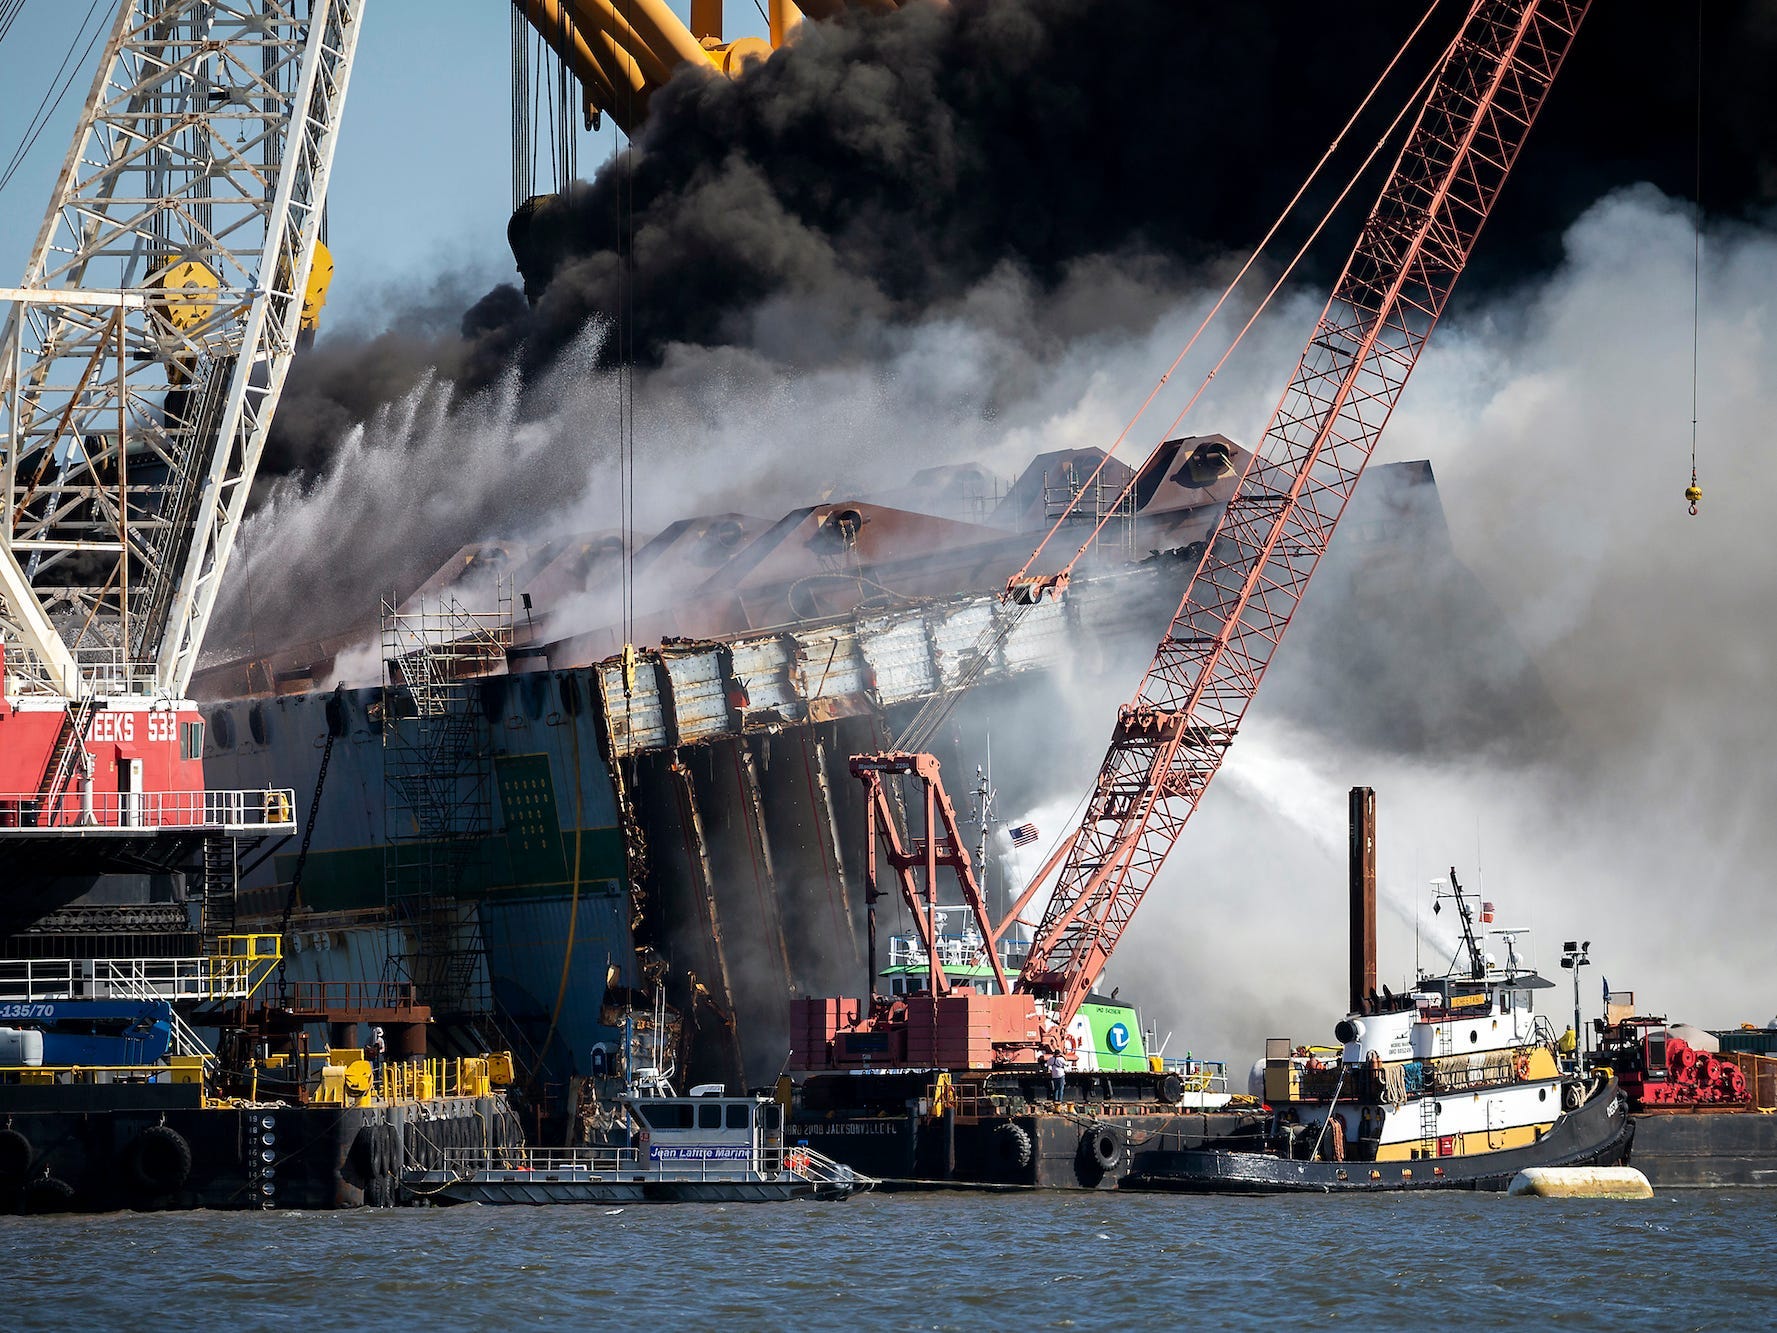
x: 143, y: 354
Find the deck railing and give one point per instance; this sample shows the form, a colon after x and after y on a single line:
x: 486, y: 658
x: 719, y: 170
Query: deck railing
x: 346, y: 996
x: 555, y: 1165
x: 1199, y: 1075
x: 268, y: 809
x: 240, y: 966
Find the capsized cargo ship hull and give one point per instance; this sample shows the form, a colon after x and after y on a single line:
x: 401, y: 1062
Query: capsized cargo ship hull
x: 660, y: 832
x: 685, y: 815
x: 526, y: 818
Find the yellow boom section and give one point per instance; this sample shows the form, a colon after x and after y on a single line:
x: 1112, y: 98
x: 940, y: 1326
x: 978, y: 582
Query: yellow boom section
x: 621, y: 51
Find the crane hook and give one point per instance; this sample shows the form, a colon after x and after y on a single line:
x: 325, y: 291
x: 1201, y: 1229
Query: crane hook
x: 1693, y: 493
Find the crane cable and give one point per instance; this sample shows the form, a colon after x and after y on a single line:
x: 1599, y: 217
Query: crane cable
x: 626, y: 352
x: 9, y: 11
x: 52, y: 96
x: 1693, y: 493
x: 522, y: 171
x: 938, y: 705
x: 1408, y: 106
x: 1282, y: 217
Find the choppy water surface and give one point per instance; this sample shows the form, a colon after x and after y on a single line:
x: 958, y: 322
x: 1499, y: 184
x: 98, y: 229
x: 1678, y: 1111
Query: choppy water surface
x: 1688, y: 1259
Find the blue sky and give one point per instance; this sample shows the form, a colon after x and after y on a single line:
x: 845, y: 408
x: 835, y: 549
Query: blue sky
x: 422, y: 178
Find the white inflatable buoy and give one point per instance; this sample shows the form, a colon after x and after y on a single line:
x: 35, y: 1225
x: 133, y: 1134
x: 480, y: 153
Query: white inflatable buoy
x: 1581, y: 1182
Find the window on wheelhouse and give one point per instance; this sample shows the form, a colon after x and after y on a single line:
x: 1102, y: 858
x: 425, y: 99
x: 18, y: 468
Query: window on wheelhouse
x: 665, y: 1115
x: 737, y: 1115
x: 772, y: 1116
x: 709, y: 1117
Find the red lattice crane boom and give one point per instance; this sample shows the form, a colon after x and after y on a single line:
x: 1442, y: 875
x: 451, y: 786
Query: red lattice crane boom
x: 1169, y: 740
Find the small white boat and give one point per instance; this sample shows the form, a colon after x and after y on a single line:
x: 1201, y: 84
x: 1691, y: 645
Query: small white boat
x: 706, y: 1148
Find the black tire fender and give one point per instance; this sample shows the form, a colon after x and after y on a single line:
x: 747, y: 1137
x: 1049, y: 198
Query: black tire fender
x: 15, y: 1158
x: 1012, y: 1142
x: 361, y: 1158
x: 1106, y: 1145
x: 46, y: 1194
x: 1172, y: 1087
x: 160, y: 1159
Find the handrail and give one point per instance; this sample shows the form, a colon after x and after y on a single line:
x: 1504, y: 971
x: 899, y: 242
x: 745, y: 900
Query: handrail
x: 233, y: 975
x: 796, y: 1161
x: 264, y: 808
x: 1199, y: 1075
x: 185, y: 1039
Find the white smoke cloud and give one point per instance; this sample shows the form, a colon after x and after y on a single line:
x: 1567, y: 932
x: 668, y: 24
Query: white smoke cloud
x: 987, y: 380
x: 1558, y: 420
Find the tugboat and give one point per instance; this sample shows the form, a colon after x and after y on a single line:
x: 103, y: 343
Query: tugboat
x: 1456, y: 1084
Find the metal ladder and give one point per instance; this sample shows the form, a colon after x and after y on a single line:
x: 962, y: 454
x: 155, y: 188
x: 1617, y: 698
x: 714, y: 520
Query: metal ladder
x: 1428, y: 1105
x: 69, y: 745
x: 217, y: 892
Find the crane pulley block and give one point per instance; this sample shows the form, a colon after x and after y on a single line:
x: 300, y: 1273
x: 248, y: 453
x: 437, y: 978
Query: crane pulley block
x: 1137, y: 724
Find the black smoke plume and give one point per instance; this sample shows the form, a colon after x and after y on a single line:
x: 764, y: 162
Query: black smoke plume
x: 882, y: 167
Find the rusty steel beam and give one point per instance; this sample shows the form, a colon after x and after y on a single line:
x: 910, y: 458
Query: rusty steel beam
x: 951, y: 851
x: 1363, y: 897
x: 703, y: 886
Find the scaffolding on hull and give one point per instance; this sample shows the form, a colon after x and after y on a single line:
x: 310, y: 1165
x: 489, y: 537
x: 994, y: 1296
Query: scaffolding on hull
x: 438, y: 778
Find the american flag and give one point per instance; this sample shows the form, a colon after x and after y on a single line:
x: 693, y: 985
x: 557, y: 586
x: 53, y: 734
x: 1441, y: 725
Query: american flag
x: 1023, y: 834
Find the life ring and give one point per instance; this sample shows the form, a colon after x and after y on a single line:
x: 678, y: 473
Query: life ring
x: 160, y: 1159
x: 277, y: 808
x: 1521, y: 1066
x: 1070, y: 1046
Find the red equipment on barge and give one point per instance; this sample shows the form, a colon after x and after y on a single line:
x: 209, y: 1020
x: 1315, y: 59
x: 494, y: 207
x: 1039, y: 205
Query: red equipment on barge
x: 1702, y: 1117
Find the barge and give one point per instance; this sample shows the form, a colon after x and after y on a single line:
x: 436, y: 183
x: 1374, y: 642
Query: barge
x: 112, y: 1096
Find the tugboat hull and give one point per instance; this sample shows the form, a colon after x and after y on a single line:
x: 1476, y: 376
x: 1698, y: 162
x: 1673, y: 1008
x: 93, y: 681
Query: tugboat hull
x: 1598, y: 1133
